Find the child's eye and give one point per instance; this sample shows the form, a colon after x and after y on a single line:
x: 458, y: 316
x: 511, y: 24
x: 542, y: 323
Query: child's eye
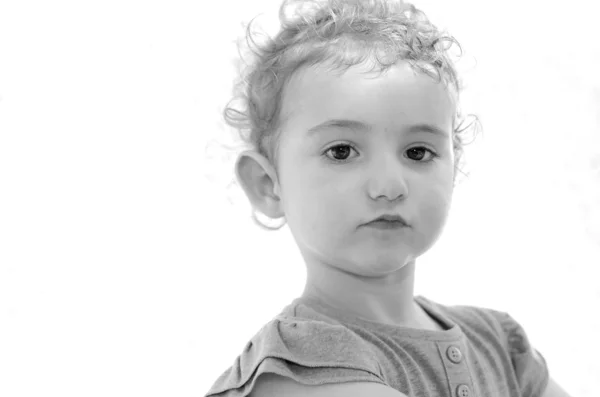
x: 421, y: 148
x: 344, y: 152
x: 337, y: 149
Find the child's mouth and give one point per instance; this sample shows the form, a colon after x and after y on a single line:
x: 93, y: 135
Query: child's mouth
x: 386, y: 225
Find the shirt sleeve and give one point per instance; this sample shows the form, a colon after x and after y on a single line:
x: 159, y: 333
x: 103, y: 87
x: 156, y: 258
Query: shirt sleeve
x: 529, y: 365
x: 309, y: 352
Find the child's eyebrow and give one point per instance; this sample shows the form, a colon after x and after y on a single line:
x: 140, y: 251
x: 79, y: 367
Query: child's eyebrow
x: 365, y: 127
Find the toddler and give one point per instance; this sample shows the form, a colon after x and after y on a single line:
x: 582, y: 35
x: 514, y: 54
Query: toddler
x: 373, y: 78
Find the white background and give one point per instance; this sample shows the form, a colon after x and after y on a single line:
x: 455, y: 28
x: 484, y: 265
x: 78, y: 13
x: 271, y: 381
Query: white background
x: 124, y: 270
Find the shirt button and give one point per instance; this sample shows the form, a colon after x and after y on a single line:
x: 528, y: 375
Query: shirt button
x: 463, y: 391
x: 454, y: 354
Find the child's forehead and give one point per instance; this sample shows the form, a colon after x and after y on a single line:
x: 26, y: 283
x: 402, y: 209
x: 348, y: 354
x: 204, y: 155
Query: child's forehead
x: 311, y: 82
x: 328, y: 72
x: 320, y: 94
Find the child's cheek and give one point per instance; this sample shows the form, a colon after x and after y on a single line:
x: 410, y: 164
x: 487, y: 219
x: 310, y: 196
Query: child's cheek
x: 436, y: 201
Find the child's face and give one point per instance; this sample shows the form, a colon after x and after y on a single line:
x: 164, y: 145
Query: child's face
x: 326, y: 204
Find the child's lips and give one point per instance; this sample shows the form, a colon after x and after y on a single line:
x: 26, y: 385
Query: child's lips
x: 387, y: 225
x: 390, y: 218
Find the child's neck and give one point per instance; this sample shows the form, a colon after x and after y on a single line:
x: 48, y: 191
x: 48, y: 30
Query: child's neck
x: 387, y: 300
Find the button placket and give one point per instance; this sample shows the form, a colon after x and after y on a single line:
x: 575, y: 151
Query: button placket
x: 453, y: 355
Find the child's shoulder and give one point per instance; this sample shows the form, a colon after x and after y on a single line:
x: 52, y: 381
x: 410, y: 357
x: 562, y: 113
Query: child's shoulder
x: 301, y: 345
x: 487, y: 321
x: 469, y: 314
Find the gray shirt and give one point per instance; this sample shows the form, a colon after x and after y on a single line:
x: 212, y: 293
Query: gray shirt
x: 481, y: 352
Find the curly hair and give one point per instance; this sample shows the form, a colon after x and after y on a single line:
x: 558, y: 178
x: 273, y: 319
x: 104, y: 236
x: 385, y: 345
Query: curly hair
x: 337, y: 34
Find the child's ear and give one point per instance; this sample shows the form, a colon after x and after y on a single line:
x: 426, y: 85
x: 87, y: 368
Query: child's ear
x: 258, y: 178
